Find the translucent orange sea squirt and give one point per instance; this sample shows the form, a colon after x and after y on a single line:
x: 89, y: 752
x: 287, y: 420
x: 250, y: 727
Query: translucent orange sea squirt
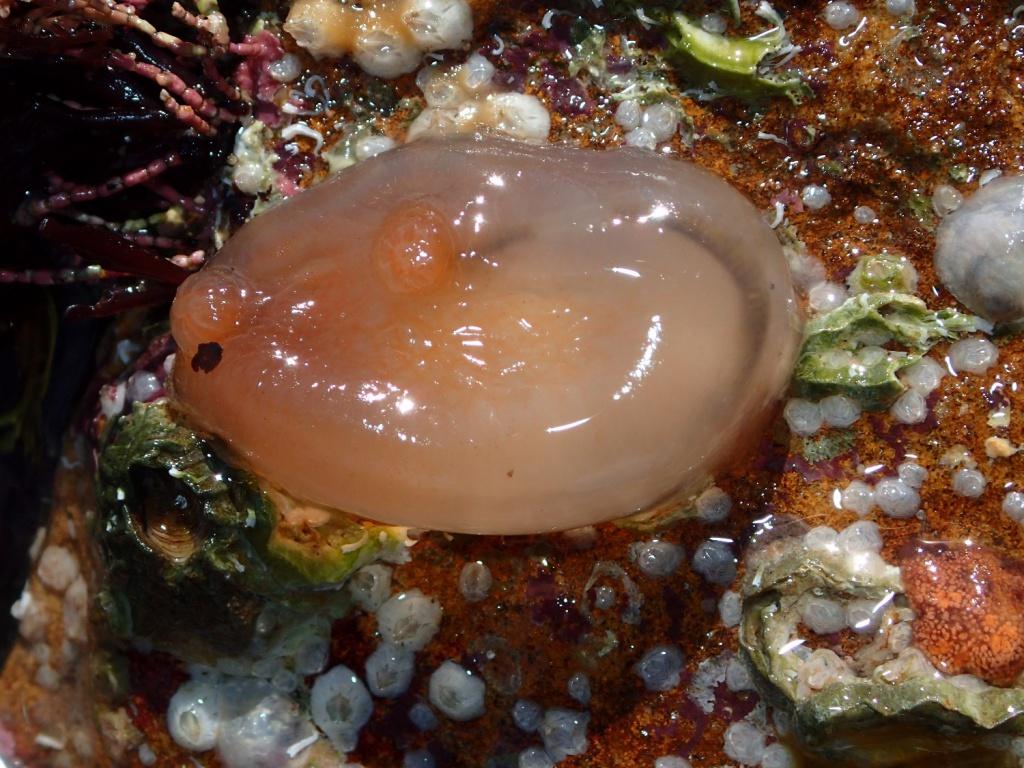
x: 491, y: 337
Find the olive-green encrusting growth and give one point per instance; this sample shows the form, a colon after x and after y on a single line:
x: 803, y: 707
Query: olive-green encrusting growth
x: 194, y: 548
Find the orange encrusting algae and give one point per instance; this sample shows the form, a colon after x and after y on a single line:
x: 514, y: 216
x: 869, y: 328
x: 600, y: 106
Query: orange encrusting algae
x: 874, y: 146
x: 967, y: 604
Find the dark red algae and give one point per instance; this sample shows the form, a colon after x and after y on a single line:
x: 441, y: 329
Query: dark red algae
x: 864, y: 136
x: 113, y: 117
x: 554, y: 608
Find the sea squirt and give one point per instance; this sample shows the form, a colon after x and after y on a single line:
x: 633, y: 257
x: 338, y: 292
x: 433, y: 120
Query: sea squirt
x: 485, y: 336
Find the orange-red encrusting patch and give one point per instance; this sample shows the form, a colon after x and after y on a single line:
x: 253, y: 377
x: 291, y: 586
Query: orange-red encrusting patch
x: 967, y: 603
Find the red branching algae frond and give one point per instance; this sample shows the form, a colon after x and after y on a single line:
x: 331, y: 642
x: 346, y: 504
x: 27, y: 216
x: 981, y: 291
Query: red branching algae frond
x: 967, y: 604
x: 124, y: 119
x: 253, y: 74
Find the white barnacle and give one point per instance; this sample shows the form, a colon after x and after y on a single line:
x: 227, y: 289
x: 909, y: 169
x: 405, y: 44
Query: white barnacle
x: 715, y: 561
x: 341, y: 706
x: 564, y: 732
x: 457, y: 692
x: 192, y: 716
x: 660, y: 668
x: 409, y: 619
x: 656, y: 558
x: 389, y: 670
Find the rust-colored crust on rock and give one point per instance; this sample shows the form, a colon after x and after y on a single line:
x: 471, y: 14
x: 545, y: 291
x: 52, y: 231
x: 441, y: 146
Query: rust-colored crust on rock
x: 892, y: 122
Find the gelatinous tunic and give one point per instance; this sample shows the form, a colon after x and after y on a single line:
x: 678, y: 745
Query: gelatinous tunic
x: 491, y: 337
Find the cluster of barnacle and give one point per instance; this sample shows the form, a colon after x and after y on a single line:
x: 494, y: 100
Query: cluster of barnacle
x: 194, y: 102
